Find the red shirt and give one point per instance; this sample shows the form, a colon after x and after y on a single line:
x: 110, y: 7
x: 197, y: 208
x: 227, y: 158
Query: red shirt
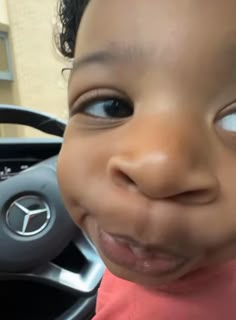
x: 208, y: 295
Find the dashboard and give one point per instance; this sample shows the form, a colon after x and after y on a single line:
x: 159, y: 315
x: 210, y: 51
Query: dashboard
x: 18, y: 154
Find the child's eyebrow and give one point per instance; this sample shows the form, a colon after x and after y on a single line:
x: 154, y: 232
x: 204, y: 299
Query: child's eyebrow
x: 111, y: 55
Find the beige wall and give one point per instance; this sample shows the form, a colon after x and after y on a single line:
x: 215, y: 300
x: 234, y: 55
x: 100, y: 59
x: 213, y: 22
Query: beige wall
x: 37, y: 66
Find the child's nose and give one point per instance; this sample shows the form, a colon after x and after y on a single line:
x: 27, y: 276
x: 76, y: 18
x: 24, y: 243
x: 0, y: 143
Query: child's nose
x: 165, y: 160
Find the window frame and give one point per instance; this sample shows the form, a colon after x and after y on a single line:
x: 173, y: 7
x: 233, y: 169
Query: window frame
x: 8, y: 74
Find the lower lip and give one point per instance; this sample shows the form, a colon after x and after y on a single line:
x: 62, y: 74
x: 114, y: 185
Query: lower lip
x: 152, y: 264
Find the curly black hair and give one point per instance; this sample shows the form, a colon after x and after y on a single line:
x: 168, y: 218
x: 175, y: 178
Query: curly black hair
x: 70, y: 13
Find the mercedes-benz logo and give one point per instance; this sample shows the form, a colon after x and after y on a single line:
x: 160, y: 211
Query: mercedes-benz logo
x: 28, y: 215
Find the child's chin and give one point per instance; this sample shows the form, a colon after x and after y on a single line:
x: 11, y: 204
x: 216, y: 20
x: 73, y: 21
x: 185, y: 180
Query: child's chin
x: 184, y: 282
x: 177, y: 282
x: 162, y: 282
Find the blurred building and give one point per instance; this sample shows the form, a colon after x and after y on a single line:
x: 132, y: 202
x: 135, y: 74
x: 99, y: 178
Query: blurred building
x: 34, y: 72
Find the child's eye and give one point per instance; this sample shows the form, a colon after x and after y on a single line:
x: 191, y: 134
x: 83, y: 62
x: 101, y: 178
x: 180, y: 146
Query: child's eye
x: 107, y: 108
x: 228, y: 122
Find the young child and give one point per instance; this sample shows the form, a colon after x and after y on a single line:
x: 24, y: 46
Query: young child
x: 148, y: 164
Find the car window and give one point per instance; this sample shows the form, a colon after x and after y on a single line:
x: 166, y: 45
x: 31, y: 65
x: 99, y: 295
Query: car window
x: 28, y: 54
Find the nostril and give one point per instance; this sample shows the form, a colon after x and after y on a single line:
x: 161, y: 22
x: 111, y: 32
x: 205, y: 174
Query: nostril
x: 122, y: 179
x: 195, y: 197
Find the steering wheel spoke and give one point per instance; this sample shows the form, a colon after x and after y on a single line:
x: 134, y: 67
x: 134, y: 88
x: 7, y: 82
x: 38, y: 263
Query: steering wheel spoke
x: 84, y: 282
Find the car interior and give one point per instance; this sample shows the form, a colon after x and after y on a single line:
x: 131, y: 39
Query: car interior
x: 49, y: 269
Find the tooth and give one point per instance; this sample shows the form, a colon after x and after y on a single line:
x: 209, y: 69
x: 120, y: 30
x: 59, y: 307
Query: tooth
x: 139, y: 252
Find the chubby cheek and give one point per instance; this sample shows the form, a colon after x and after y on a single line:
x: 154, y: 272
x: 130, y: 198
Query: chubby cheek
x: 228, y: 198
x: 221, y: 233
x: 81, y: 164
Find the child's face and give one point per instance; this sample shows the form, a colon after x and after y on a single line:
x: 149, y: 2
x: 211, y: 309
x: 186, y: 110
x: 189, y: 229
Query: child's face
x: 148, y: 164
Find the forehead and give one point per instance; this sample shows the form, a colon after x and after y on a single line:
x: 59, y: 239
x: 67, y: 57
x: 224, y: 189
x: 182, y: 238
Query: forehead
x: 175, y: 39
x: 151, y: 22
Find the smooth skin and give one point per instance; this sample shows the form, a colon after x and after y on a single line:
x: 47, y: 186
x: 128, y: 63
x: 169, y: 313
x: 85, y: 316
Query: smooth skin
x: 149, y: 153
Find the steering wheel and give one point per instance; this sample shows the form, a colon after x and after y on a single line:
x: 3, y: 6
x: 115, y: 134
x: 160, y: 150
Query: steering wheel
x: 35, y: 226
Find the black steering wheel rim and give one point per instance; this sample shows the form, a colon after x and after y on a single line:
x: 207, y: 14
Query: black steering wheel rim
x: 44, y: 122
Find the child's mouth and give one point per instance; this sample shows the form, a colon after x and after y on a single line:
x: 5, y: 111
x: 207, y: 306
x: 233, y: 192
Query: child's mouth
x: 145, y: 260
